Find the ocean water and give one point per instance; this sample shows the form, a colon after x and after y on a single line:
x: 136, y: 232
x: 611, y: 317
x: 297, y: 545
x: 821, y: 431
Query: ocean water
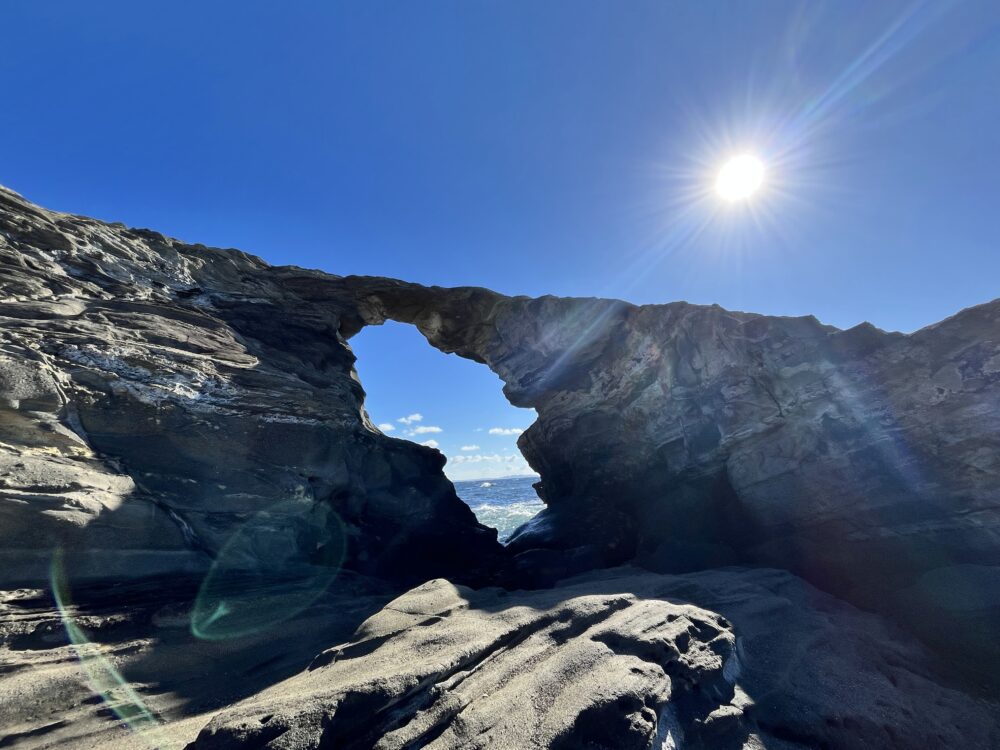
x: 503, y: 504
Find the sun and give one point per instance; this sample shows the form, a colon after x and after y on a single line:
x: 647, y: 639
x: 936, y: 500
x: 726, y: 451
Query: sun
x: 739, y: 178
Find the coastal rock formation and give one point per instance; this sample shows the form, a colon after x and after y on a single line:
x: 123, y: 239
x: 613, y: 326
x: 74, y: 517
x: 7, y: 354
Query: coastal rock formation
x: 744, y: 658
x: 620, y: 661
x: 167, y: 407
x: 158, y: 398
x: 185, y: 424
x: 687, y: 437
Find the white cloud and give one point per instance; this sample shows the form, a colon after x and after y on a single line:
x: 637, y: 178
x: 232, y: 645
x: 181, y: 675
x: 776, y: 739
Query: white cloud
x: 478, y: 458
x: 423, y: 430
x: 470, y: 447
x: 486, y: 465
x: 505, y: 430
x: 387, y: 427
x: 411, y: 418
x: 431, y: 443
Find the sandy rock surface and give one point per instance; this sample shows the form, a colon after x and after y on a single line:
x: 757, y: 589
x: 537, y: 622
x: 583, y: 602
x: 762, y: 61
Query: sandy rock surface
x: 625, y: 659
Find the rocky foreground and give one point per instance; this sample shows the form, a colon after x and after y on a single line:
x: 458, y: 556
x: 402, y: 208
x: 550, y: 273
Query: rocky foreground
x: 623, y: 661
x: 816, y: 513
x: 726, y: 658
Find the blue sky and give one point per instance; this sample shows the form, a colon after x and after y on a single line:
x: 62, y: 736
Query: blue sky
x: 558, y: 147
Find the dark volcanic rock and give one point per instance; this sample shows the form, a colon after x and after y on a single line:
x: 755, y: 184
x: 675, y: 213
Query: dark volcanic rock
x: 620, y: 661
x: 688, y: 437
x: 51, y: 690
x: 156, y: 397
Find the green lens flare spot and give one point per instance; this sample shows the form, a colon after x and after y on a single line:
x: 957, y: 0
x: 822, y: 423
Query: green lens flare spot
x: 271, y: 569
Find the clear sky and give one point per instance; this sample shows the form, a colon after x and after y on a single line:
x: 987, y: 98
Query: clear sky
x: 557, y: 147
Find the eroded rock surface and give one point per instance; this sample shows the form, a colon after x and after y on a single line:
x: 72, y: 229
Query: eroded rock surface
x: 617, y: 661
x: 155, y: 397
x: 687, y: 437
x: 139, y: 660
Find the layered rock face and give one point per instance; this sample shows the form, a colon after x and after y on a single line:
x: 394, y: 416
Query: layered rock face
x: 687, y: 437
x: 157, y: 398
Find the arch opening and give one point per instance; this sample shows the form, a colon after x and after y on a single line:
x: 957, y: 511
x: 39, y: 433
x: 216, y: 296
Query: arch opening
x: 456, y: 406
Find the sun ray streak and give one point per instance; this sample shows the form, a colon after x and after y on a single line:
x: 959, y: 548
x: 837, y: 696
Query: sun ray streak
x: 900, y: 33
x: 102, y: 676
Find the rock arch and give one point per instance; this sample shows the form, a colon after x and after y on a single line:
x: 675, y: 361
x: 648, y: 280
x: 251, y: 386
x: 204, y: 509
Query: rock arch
x: 677, y: 435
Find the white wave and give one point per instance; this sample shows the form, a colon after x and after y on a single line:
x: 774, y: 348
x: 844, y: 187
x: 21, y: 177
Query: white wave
x: 507, y: 517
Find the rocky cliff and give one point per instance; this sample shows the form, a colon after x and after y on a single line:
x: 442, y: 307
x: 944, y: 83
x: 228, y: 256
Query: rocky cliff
x: 158, y: 394
x: 687, y: 437
x: 173, y: 409
x: 156, y: 397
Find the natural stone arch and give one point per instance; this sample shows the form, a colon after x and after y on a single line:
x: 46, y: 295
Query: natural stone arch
x: 691, y: 436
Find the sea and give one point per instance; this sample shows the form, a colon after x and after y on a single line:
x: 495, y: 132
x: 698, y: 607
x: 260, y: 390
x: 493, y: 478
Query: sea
x: 503, y: 504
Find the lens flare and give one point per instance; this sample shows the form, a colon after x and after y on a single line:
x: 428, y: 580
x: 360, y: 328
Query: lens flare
x: 102, y: 677
x: 261, y: 578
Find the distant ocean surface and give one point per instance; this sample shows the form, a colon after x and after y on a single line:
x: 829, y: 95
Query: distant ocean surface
x: 503, y: 504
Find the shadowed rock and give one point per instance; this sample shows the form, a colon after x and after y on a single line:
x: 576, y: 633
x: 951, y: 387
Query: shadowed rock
x: 687, y: 437
x: 157, y: 398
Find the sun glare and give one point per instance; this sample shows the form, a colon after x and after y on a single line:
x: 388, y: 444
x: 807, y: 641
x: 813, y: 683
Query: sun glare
x: 740, y: 177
